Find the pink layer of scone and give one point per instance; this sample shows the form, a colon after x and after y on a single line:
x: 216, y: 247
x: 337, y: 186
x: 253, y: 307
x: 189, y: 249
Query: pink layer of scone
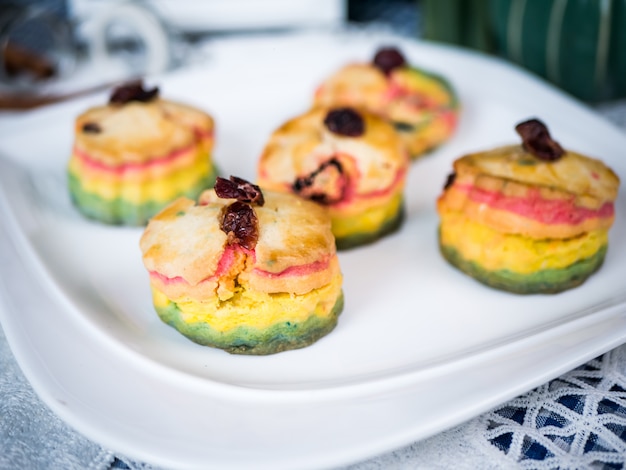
x: 152, y: 163
x: 228, y: 258
x: 533, y: 206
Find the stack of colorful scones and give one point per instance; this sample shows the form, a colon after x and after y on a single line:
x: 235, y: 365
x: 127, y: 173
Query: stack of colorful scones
x: 529, y: 218
x: 138, y: 153
x: 421, y: 105
x: 244, y: 270
x: 350, y: 162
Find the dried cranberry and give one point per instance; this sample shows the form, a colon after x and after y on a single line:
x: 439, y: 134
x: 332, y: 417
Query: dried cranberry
x: 240, y: 189
x: 345, y: 121
x: 91, y: 128
x: 388, y: 58
x: 536, y: 140
x: 133, y: 91
x: 325, y: 185
x: 449, y: 180
x: 240, y: 223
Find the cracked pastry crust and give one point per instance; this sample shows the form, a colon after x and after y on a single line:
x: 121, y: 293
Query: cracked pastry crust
x: 365, y: 196
x: 526, y: 225
x: 421, y: 105
x: 284, y: 294
x: 130, y: 160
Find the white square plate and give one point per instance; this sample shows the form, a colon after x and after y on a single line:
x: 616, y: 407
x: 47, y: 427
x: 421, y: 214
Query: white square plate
x: 419, y: 346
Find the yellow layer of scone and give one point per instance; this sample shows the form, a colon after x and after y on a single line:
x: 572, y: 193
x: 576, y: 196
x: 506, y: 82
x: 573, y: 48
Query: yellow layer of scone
x: 494, y: 250
x: 137, y: 192
x: 370, y: 220
x: 257, y: 309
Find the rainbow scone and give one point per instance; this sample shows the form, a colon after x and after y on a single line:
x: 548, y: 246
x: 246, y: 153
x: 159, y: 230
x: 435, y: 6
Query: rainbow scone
x: 138, y: 153
x: 349, y: 161
x: 422, y: 106
x: 246, y: 271
x: 530, y: 218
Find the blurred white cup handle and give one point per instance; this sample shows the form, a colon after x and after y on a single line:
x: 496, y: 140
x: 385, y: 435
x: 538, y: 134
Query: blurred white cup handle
x: 144, y: 24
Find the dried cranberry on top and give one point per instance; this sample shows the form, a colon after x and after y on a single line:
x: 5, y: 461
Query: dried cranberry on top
x: 345, y: 121
x: 388, y: 58
x: 238, y: 219
x: 240, y: 189
x: 536, y: 140
x: 240, y: 223
x: 133, y: 91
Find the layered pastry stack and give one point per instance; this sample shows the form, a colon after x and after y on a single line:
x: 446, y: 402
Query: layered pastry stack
x: 244, y: 270
x: 528, y: 218
x: 136, y: 154
x: 421, y: 105
x: 351, y: 162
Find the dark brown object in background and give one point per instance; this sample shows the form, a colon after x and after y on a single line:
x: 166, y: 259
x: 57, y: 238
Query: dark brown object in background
x: 28, y: 100
x: 21, y: 61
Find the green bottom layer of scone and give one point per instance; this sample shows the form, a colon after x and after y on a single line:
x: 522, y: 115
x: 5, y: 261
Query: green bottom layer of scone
x: 119, y: 211
x: 389, y: 226
x: 547, y: 281
x: 282, y: 336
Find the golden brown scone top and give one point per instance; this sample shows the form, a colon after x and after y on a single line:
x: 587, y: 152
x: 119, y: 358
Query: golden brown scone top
x: 365, y: 85
x: 358, y: 83
x: 572, y: 173
x: 185, y: 240
x: 299, y: 146
x: 137, y: 132
x: 188, y: 115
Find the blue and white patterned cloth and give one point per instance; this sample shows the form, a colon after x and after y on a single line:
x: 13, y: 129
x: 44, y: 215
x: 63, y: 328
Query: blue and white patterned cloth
x: 575, y: 421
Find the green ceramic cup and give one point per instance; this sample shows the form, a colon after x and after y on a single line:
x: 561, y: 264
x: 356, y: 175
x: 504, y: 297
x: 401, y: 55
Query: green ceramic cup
x: 579, y: 45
